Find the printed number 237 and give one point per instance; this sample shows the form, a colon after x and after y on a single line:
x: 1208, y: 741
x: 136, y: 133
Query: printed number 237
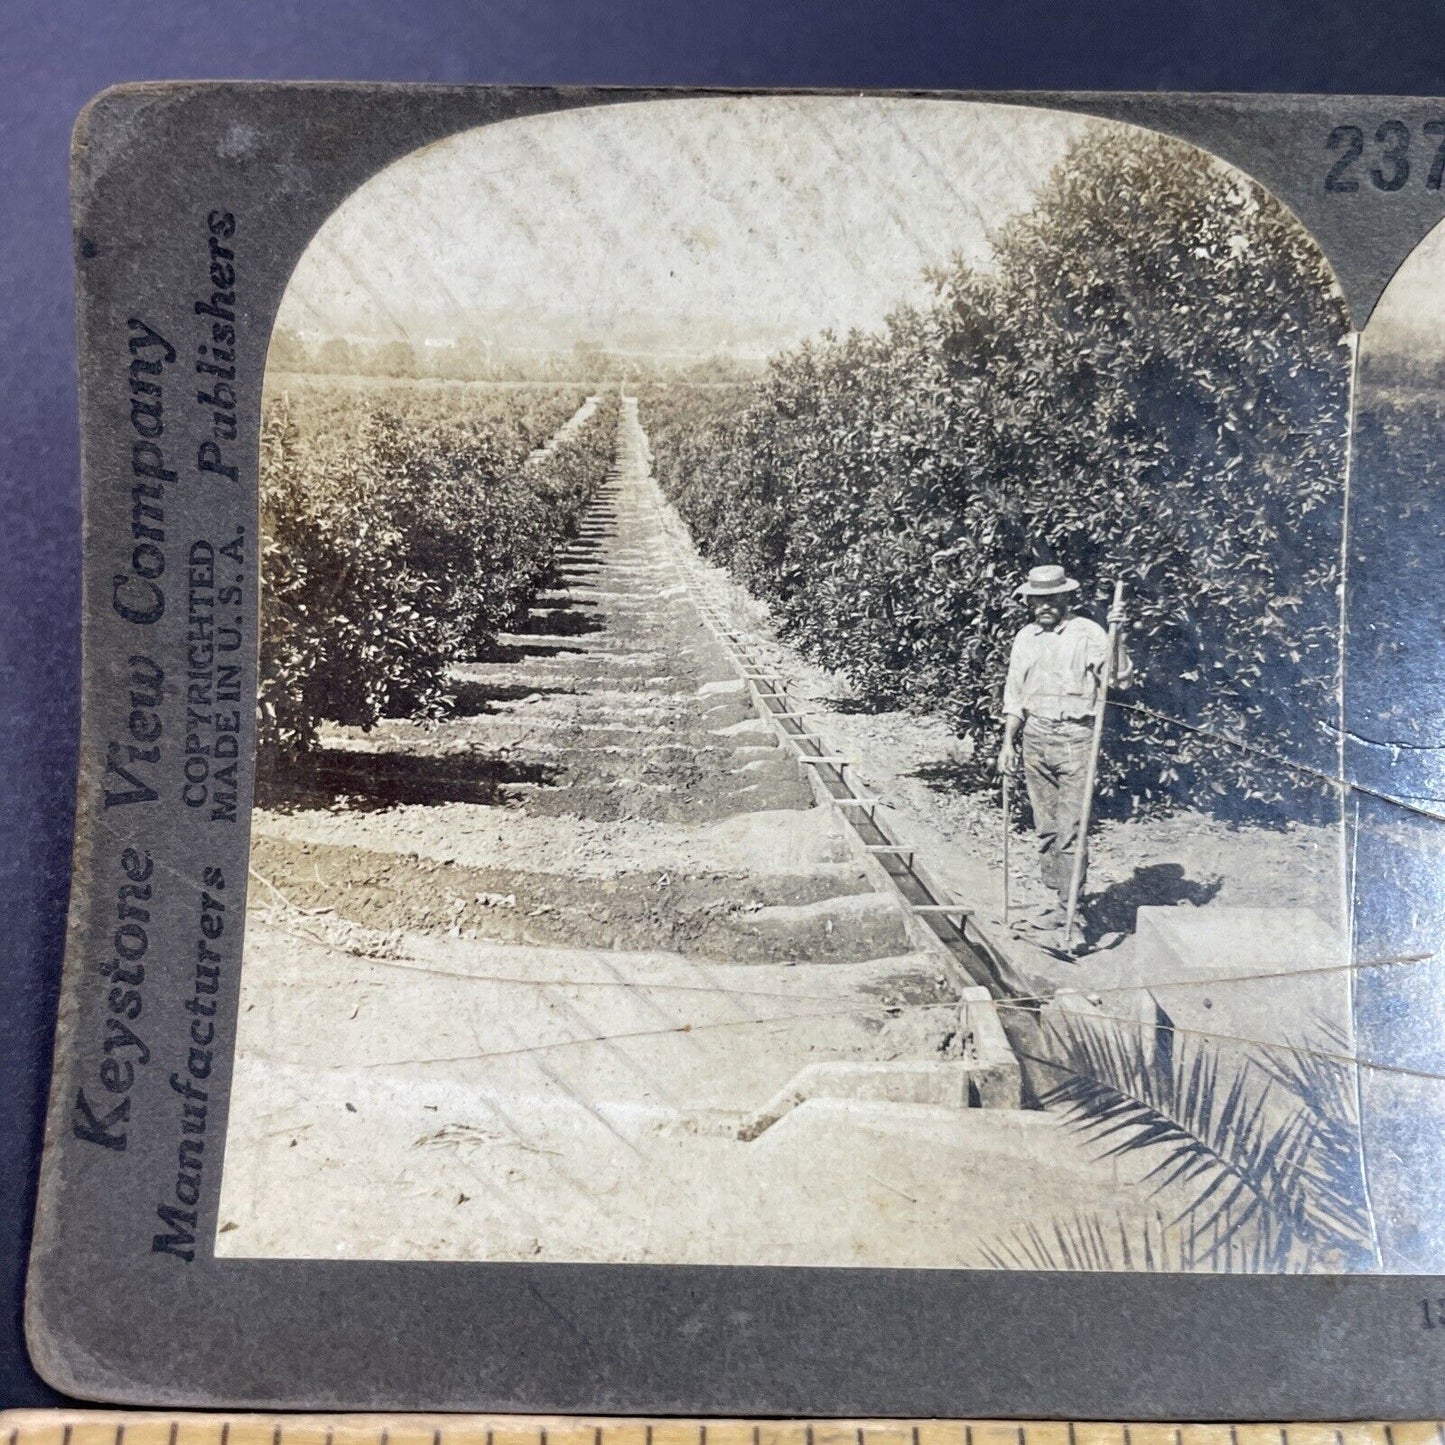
x: 1389, y: 162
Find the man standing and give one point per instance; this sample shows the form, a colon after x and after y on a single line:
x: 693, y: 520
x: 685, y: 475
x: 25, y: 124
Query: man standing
x: 1055, y: 671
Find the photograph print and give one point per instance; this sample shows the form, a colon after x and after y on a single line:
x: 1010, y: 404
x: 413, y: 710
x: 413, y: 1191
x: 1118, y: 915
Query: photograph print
x: 800, y: 717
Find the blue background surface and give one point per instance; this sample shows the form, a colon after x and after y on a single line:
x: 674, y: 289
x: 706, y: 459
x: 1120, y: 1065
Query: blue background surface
x: 55, y: 54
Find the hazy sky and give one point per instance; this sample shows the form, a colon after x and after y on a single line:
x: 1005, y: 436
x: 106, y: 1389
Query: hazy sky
x: 1410, y: 316
x: 673, y: 225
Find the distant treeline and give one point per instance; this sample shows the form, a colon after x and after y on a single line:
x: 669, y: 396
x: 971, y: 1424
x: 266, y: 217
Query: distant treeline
x: 1403, y: 371
x: 1151, y: 383
x: 472, y: 359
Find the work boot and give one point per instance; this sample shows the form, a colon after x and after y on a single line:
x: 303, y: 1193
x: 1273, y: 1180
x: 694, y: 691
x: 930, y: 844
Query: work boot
x: 1047, y: 918
x: 1076, y: 941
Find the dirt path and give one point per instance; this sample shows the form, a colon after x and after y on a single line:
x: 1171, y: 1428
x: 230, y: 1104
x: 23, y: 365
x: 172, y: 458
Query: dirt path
x: 513, y: 979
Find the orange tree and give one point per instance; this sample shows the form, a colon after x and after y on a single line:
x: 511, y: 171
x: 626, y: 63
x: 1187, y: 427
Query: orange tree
x: 1150, y: 382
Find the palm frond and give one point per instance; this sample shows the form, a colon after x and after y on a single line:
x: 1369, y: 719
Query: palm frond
x: 1128, y: 1242
x: 1256, y: 1144
x: 1317, y: 1074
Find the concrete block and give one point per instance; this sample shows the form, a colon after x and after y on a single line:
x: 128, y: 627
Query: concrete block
x: 1237, y: 977
x: 1133, y: 1013
x: 942, y: 1083
x: 1129, y: 1009
x: 995, y: 1079
x: 1272, y: 976
x: 987, y: 1076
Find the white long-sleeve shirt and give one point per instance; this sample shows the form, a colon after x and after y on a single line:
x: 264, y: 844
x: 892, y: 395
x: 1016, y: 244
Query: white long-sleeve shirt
x: 1054, y: 673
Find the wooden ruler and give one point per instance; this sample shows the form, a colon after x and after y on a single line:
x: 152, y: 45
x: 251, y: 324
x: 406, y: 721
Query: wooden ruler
x: 115, y: 1427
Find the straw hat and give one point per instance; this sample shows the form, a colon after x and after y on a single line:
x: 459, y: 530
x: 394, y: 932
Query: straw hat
x: 1047, y: 581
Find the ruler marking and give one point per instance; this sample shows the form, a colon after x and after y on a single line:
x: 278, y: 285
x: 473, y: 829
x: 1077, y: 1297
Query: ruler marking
x: 280, y: 1434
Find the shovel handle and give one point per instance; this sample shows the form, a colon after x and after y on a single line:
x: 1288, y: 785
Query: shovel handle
x: 1007, y: 829
x: 1092, y: 772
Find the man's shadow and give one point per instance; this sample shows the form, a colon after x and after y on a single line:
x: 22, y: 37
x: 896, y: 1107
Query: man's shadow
x: 1154, y: 885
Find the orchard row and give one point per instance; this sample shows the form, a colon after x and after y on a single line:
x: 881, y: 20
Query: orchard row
x: 1151, y: 382
x: 404, y: 527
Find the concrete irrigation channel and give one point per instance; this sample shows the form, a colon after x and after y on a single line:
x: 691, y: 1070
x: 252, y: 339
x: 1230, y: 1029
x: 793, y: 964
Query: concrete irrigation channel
x: 615, y: 964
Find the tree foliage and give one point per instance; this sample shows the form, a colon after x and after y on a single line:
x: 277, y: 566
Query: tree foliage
x: 1151, y: 382
x: 398, y: 541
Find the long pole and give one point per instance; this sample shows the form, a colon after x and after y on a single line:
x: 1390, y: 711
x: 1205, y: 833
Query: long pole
x: 1007, y: 828
x: 1081, y: 842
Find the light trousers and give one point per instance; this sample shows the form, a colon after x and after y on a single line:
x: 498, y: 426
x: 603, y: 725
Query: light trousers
x: 1056, y: 760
